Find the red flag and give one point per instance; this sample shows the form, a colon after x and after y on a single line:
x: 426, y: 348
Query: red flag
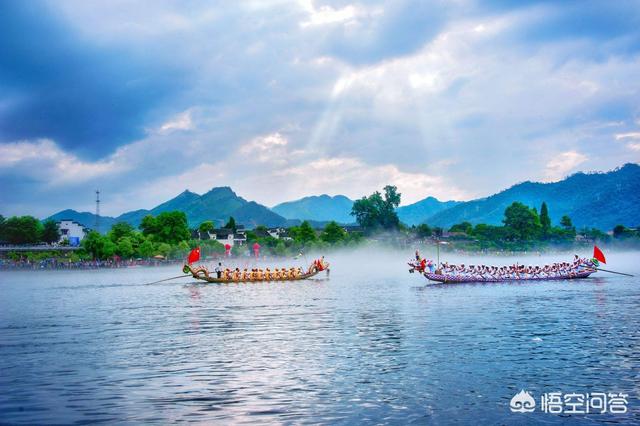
x: 598, y: 255
x: 256, y: 249
x: 194, y: 256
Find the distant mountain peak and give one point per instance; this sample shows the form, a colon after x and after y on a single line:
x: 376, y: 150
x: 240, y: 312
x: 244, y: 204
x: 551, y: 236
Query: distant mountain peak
x: 317, y: 208
x: 221, y: 190
x: 418, y: 212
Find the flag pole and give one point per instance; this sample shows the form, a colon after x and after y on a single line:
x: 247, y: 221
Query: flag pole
x: 438, y: 271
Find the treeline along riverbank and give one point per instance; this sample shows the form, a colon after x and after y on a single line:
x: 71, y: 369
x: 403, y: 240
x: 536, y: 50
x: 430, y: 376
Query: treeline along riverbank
x: 167, y: 236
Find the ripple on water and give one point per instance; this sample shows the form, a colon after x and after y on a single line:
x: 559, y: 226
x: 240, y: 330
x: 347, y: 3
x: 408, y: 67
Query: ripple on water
x: 88, y: 347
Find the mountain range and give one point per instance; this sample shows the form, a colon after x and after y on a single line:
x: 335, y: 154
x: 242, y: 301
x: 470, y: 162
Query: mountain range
x: 600, y: 200
x: 216, y: 205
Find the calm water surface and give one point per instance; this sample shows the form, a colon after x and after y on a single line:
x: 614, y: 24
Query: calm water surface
x: 371, y: 344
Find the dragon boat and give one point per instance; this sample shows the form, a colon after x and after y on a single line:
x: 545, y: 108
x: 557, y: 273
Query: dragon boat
x: 202, y: 273
x: 584, y: 270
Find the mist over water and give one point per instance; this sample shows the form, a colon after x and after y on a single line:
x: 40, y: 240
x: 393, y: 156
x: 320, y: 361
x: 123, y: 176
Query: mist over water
x: 371, y: 343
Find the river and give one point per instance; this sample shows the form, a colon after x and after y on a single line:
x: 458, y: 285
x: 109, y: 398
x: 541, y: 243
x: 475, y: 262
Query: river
x: 369, y: 344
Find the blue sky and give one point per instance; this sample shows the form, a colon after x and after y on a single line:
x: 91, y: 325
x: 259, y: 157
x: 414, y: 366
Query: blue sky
x: 281, y: 99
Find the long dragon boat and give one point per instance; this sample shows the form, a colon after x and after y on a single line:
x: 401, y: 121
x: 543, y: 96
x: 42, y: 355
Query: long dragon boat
x: 202, y: 273
x: 583, y: 269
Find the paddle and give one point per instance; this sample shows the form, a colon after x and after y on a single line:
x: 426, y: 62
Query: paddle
x: 169, y: 279
x: 613, y: 272
x: 606, y: 270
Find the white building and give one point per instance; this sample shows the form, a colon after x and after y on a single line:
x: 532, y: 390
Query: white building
x: 71, y: 231
x: 223, y: 236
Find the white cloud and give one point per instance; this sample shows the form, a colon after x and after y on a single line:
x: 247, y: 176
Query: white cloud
x: 630, y: 135
x: 561, y: 164
x: 271, y: 149
x: 325, y: 15
x: 182, y: 121
x: 470, y: 111
x: 46, y: 162
x: 634, y: 146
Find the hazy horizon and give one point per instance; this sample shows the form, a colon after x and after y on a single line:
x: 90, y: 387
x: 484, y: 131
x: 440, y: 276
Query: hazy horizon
x: 403, y: 203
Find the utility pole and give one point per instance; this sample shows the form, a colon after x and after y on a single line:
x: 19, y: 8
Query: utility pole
x: 97, y: 210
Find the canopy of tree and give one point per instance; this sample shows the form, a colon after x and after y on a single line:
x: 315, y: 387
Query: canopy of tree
x: 378, y: 212
x: 167, y: 227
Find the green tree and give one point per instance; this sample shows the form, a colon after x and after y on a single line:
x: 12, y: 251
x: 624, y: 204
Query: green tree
x: 180, y: 250
x: 465, y: 227
x: 22, y: 230
x: 521, y: 222
x: 388, y: 209
x: 149, y: 225
x: 108, y: 249
x: 120, y: 230
x: 545, y: 220
x: 167, y: 227
x: 492, y: 233
x: 619, y: 231
x: 566, y: 222
x: 231, y: 224
x: 622, y: 232
x: 50, y: 232
x: 206, y: 226
x: 375, y: 212
x: 124, y: 247
x: 304, y: 233
x: 146, y: 249
x: 280, y: 249
x: 164, y: 249
x: 98, y: 245
x: 333, y: 233
x: 365, y: 212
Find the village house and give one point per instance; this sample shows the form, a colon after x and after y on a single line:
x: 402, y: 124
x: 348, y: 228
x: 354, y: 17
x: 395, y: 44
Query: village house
x: 223, y: 236
x: 71, y: 231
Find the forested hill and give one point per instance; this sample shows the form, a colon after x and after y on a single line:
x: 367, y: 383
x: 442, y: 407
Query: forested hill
x: 600, y: 200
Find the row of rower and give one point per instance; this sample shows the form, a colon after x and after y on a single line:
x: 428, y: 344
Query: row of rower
x: 259, y: 274
x: 517, y: 270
